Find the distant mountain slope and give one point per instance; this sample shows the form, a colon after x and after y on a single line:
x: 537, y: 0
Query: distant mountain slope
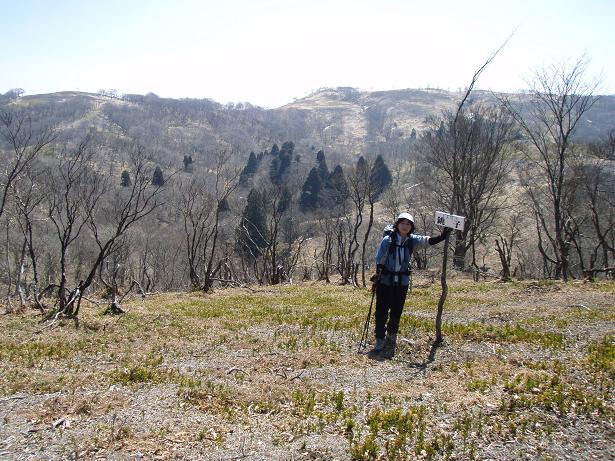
x: 386, y: 115
x: 356, y: 119
x: 344, y: 121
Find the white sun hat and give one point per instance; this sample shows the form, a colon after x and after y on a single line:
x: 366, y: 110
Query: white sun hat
x: 407, y: 216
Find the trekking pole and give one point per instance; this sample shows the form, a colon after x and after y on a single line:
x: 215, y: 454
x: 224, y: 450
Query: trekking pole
x: 363, y: 341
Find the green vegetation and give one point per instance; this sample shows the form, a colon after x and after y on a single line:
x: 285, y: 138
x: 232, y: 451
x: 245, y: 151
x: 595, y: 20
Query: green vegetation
x: 552, y: 395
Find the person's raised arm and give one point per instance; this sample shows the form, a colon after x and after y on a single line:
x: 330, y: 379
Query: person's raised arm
x: 439, y: 238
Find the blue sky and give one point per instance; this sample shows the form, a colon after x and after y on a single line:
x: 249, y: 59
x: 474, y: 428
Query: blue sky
x: 271, y: 51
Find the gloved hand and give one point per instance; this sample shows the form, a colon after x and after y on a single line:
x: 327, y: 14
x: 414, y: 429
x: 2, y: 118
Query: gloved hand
x: 376, y: 276
x: 445, y: 232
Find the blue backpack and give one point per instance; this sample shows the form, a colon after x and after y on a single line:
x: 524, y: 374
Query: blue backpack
x: 389, y: 231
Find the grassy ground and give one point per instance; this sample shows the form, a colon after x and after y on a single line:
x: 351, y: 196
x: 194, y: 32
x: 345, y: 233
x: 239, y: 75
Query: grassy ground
x: 527, y: 372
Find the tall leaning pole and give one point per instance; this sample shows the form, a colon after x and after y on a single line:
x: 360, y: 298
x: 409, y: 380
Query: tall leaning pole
x: 455, y: 223
x: 439, y: 337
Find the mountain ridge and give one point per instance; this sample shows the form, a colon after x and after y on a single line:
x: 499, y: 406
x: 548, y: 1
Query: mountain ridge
x: 344, y: 121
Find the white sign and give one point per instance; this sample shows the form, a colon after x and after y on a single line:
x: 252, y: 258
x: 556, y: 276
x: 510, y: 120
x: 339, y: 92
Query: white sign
x: 450, y: 220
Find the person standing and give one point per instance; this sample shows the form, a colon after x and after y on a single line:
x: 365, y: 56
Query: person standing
x: 393, y: 262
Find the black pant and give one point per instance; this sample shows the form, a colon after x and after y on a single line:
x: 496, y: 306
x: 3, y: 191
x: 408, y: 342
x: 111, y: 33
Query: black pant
x: 389, y: 304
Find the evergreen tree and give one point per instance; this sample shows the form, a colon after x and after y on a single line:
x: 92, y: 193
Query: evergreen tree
x: 275, y: 150
x: 252, y: 164
x: 252, y: 233
x: 338, y: 184
x: 285, y: 200
x: 223, y: 206
x: 310, y: 195
x: 274, y: 171
x: 125, y: 180
x: 281, y: 163
x: 288, y: 147
x: 285, y: 158
x: 320, y: 155
x: 441, y: 130
x: 187, y: 162
x: 323, y: 169
x: 249, y: 170
x: 380, y: 176
x: 158, y: 178
x: 361, y: 166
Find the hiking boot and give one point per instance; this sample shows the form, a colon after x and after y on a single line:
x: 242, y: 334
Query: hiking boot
x: 391, y: 340
x: 379, y: 345
x: 390, y: 346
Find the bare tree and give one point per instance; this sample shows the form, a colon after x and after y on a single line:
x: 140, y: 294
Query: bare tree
x: 75, y: 200
x: 73, y: 191
x: 24, y: 145
x: 359, y: 188
x: 201, y: 203
x: 506, y: 240
x: 343, y: 242
x: 127, y: 207
x: 466, y: 162
x: 278, y: 201
x: 561, y: 95
x: 268, y: 236
x: 598, y: 180
x: 9, y: 276
x: 371, y: 196
x: 590, y: 221
x: 323, y: 254
x: 197, y: 208
x: 225, y: 182
x: 28, y: 196
x: 393, y: 199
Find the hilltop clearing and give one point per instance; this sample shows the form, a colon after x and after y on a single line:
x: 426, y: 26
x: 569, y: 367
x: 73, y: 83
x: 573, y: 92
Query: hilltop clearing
x: 527, y: 372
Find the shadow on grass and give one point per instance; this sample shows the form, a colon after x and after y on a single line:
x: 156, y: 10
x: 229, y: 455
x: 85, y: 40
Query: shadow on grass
x: 389, y: 353
x: 372, y: 354
x: 380, y: 356
x: 431, y: 357
x: 375, y: 355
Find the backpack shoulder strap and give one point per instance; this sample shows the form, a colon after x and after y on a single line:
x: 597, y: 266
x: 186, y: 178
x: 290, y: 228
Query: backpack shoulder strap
x: 390, y: 247
x: 410, y: 244
x: 392, y: 242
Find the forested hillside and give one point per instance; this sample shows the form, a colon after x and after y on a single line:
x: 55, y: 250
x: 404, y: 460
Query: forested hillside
x: 345, y: 122
x: 108, y: 192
